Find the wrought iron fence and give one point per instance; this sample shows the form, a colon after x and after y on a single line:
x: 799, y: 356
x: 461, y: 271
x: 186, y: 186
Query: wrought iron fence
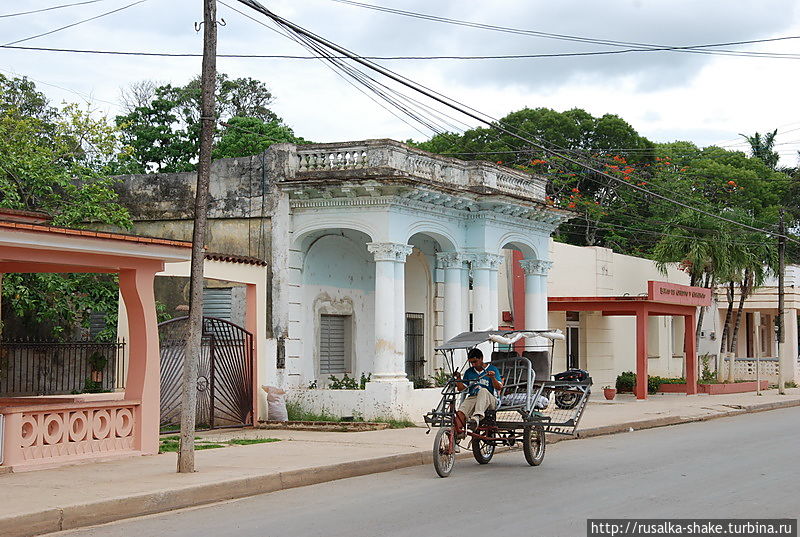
x: 29, y: 367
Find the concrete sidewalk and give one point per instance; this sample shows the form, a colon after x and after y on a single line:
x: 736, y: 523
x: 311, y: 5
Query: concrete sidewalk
x: 51, y: 500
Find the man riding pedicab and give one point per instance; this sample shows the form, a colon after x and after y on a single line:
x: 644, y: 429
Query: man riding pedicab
x: 485, y: 383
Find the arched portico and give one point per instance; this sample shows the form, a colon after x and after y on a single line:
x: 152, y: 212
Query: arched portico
x: 426, y: 243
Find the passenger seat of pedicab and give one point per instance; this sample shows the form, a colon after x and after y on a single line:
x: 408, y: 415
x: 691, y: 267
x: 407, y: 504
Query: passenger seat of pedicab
x: 540, y: 358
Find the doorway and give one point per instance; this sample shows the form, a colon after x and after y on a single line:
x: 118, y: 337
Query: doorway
x: 573, y: 340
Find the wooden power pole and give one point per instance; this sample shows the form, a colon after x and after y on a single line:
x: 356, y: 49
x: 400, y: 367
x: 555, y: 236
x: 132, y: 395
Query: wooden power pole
x: 207, y: 120
x: 781, y: 299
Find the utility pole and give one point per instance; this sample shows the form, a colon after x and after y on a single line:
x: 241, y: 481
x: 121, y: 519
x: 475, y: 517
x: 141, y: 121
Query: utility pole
x: 192, y: 355
x: 781, y: 297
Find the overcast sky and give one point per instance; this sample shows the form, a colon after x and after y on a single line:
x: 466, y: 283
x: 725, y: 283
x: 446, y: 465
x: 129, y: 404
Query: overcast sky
x: 707, y: 99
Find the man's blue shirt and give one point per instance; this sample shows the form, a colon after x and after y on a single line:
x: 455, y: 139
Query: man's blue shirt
x: 482, y: 379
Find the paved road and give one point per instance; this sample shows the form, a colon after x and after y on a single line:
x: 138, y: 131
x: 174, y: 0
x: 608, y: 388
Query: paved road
x: 746, y: 466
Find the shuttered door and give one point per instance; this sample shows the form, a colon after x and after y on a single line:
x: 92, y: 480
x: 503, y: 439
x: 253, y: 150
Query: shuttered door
x: 332, y: 344
x: 217, y: 302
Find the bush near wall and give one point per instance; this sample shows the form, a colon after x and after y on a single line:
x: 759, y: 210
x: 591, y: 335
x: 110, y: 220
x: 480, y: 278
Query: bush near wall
x: 626, y: 382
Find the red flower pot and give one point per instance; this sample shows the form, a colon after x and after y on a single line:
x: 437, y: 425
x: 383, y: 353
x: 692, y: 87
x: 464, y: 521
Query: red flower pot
x: 610, y: 393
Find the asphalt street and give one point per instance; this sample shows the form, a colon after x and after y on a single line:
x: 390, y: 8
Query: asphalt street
x: 739, y: 467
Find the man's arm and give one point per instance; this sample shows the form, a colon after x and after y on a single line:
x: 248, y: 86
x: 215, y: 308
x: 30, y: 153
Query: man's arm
x: 494, y: 375
x: 460, y: 386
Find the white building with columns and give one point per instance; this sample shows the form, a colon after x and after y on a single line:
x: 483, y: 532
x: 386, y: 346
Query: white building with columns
x: 392, y: 251
x: 376, y: 252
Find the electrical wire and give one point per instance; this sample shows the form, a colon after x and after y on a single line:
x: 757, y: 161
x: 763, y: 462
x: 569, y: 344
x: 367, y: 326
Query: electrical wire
x: 477, y: 115
x: 7, y: 15
x: 566, y: 37
x: 73, y: 24
x: 382, y: 58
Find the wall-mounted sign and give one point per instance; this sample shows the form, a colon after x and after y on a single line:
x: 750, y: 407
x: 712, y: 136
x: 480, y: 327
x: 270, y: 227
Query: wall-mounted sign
x: 673, y: 293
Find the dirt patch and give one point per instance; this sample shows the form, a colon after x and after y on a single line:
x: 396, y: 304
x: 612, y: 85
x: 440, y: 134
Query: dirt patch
x: 324, y: 426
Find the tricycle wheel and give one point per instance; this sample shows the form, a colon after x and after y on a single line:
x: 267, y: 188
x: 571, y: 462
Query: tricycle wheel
x: 533, y: 443
x: 483, y: 450
x: 444, y: 454
x: 567, y: 400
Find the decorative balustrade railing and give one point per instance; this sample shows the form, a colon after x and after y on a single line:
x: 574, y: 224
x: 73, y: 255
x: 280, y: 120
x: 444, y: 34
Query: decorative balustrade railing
x: 333, y: 159
x: 415, y: 163
x: 30, y: 367
x: 36, y: 434
x: 745, y: 368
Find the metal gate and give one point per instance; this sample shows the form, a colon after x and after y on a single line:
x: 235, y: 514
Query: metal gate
x: 224, y: 373
x: 415, y: 345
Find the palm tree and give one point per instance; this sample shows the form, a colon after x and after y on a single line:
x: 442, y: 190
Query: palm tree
x: 762, y: 148
x: 758, y: 259
x: 702, y: 247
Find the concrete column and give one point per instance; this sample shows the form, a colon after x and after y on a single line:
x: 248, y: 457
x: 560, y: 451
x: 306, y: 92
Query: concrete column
x: 641, y: 353
x: 402, y: 251
x: 385, y: 366
x: 535, y: 292
x: 484, y: 279
x: 484, y: 308
x: 144, y: 362
x: 788, y: 357
x: 453, y: 265
x: 691, y: 354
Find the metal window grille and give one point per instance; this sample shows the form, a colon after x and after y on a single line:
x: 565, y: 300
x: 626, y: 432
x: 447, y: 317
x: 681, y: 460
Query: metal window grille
x: 332, y: 344
x: 415, y: 345
x: 217, y: 302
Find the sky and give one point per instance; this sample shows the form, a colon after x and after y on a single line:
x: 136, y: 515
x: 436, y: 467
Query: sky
x: 666, y: 95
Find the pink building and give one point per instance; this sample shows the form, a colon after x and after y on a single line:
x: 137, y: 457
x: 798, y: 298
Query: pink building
x: 39, y: 432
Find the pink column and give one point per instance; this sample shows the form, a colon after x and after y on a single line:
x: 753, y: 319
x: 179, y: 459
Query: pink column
x: 12, y: 439
x: 690, y: 354
x: 641, y: 353
x: 143, y: 382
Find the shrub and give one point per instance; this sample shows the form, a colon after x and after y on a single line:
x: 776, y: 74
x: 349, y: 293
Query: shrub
x: 420, y: 382
x: 626, y: 381
x: 440, y: 378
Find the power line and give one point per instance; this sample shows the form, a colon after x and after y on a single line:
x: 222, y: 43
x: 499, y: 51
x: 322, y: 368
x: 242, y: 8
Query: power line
x: 74, y: 24
x: 86, y: 97
x: 567, y: 37
x: 49, y: 8
x: 382, y: 58
x: 470, y: 112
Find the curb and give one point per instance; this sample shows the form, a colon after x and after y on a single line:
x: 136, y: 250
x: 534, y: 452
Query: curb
x: 113, y: 509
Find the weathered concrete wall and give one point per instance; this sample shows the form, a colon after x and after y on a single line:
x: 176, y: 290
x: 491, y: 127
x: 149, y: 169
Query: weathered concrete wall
x: 247, y: 214
x: 240, y: 207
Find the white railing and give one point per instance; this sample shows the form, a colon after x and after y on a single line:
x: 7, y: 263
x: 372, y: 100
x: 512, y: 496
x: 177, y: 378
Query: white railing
x: 745, y: 369
x: 383, y: 154
x: 335, y: 159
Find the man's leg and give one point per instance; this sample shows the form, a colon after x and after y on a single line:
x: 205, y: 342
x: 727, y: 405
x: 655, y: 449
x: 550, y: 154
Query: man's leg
x: 465, y: 412
x: 483, y: 401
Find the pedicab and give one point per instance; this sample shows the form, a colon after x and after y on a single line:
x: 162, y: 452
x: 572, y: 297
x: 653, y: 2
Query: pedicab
x: 530, y: 404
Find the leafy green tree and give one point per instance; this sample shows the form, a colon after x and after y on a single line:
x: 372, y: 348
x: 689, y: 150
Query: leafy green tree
x: 243, y: 136
x: 57, y: 161
x: 576, y: 132
x: 164, y: 130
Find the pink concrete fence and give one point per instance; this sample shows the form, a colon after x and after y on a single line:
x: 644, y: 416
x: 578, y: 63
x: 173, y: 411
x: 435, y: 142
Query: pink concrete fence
x: 41, y: 435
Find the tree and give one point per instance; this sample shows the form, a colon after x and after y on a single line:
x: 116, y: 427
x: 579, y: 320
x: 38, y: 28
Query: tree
x: 57, y: 161
x: 758, y: 259
x: 243, y: 136
x: 162, y: 124
x: 576, y: 132
x: 762, y: 148
x: 700, y: 245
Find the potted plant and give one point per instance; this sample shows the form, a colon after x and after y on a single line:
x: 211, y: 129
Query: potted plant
x: 609, y: 392
x: 97, y: 362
